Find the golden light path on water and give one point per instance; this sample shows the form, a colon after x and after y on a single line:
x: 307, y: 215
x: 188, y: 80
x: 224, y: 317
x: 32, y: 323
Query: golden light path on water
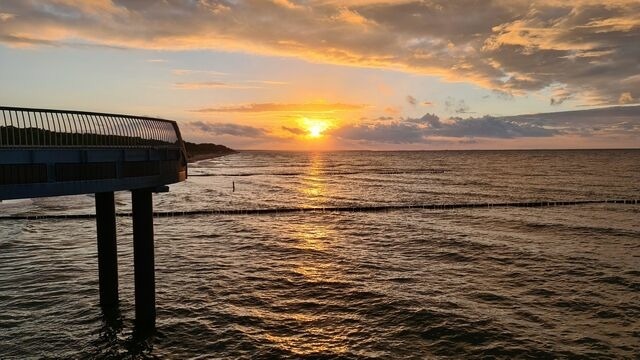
x: 315, y: 238
x: 313, y: 187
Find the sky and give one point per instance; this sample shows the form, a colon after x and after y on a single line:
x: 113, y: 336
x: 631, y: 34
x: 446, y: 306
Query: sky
x: 338, y: 75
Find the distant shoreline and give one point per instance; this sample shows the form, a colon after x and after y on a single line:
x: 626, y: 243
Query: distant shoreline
x: 198, y: 152
x: 207, y: 156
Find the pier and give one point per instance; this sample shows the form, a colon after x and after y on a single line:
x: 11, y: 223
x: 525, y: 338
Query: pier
x: 57, y: 152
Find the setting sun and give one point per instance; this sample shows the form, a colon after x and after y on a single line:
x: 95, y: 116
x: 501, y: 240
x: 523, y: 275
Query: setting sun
x: 315, y: 128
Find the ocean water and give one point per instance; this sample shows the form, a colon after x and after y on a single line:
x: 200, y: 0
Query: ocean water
x: 548, y: 282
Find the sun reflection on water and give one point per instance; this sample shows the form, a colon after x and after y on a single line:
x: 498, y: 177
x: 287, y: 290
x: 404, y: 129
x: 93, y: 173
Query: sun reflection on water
x: 316, y: 341
x: 311, y: 238
x: 317, y: 267
x: 313, y: 184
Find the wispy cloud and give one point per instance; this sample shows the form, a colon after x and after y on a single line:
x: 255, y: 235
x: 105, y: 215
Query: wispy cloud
x: 294, y: 131
x: 277, y: 107
x: 249, y: 84
x: 210, y: 85
x: 268, y: 82
x: 456, y: 106
x: 228, y: 129
x: 182, y: 72
x: 560, y: 95
x: 394, y: 133
x: 27, y: 41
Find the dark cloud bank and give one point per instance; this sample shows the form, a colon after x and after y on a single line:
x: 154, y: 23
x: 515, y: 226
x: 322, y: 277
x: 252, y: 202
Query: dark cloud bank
x: 228, y: 129
x: 614, y: 120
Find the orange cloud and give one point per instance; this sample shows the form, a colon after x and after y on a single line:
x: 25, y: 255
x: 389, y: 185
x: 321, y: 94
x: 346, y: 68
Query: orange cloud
x: 275, y: 107
x: 626, y: 98
x: 392, y: 110
x: 210, y: 85
x: 5, y: 16
x: 349, y: 16
x: 181, y: 72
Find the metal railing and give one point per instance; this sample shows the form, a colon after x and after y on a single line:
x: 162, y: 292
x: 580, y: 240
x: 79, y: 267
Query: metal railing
x: 26, y: 127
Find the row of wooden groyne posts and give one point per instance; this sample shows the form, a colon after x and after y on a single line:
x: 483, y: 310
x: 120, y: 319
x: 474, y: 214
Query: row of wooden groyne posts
x: 372, y: 208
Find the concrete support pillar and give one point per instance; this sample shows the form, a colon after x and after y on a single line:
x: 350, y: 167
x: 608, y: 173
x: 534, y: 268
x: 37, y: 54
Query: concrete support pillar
x: 143, y: 260
x: 107, y: 249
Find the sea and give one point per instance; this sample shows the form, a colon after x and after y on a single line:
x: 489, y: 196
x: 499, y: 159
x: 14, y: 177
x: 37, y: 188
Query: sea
x: 500, y: 282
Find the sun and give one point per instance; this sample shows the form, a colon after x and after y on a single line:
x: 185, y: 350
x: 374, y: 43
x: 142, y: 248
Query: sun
x: 315, y: 127
x: 315, y: 130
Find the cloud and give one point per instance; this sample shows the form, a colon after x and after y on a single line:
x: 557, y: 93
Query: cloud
x: 452, y: 105
x: 428, y: 119
x: 487, y: 127
x: 228, y: 129
x: 429, y: 126
x: 394, y: 133
x: 156, y: 60
x: 427, y: 103
x: 294, y: 131
x: 285, y: 3
x: 411, y: 100
x: 626, y: 98
x: 6, y: 16
x: 182, y: 72
x: 268, y: 82
x: 350, y: 16
x: 392, y: 110
x: 621, y: 121
x: 276, y: 107
x: 210, y: 85
x: 250, y: 84
x: 26, y: 41
x: 560, y: 95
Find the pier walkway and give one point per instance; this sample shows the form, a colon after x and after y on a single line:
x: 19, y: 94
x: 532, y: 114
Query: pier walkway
x: 57, y: 152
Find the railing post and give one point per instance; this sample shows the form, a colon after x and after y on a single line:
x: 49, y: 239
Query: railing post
x: 107, y: 249
x: 143, y: 259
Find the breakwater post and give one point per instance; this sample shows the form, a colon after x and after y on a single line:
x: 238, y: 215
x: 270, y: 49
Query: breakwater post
x: 143, y: 260
x: 107, y: 248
